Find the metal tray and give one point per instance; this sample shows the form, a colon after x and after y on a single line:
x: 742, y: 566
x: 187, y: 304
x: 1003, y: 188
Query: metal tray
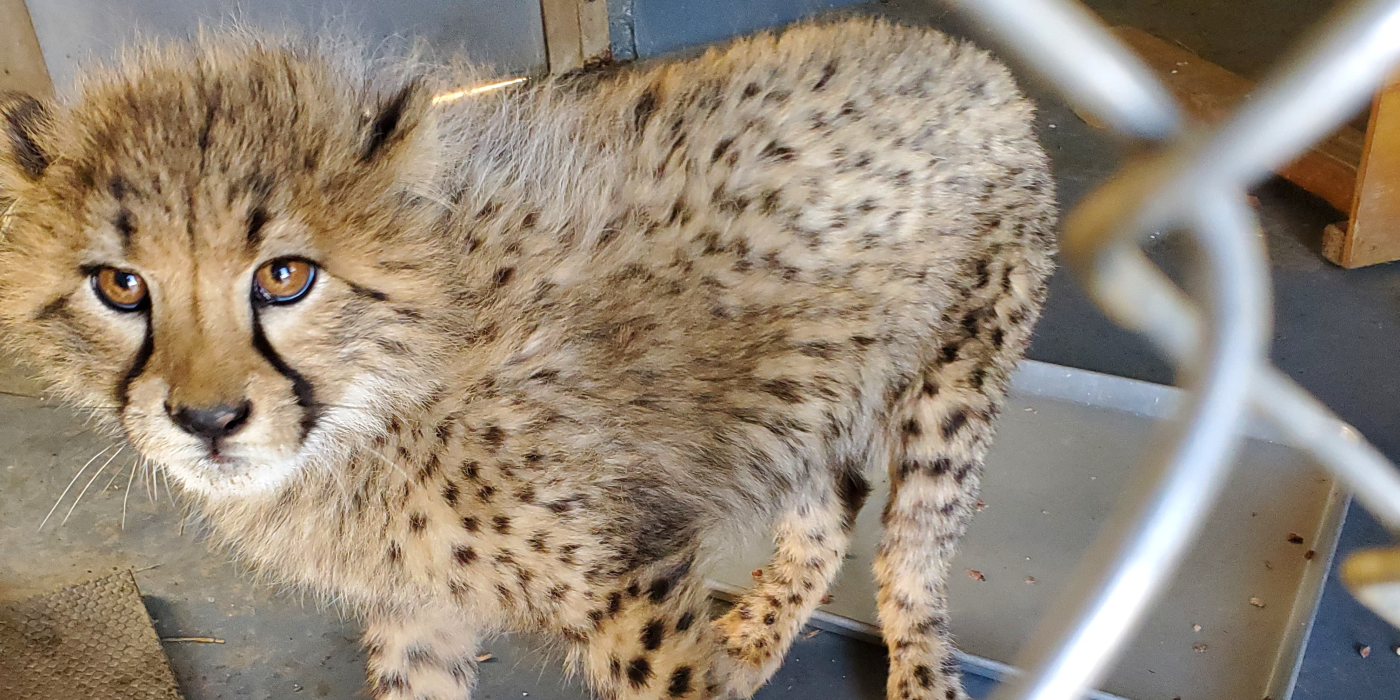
x: 1066, y: 446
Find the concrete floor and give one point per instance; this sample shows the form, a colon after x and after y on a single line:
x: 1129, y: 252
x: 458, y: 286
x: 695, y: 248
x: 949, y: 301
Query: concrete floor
x: 1336, y: 333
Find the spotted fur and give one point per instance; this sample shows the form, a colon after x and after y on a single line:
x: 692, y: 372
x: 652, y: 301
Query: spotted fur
x: 567, y: 342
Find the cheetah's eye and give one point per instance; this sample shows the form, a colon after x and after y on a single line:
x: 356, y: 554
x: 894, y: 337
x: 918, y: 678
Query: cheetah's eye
x: 119, y: 289
x: 283, y: 281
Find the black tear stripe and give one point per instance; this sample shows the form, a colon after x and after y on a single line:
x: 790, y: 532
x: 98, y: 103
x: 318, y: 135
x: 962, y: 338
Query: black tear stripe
x: 306, y: 395
x: 138, y: 366
x: 54, y: 309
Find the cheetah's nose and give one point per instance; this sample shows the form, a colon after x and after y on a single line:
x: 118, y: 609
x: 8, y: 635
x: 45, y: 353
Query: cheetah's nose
x: 213, y: 423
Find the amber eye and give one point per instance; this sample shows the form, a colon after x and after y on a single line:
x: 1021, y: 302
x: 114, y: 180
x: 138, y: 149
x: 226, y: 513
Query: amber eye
x: 283, y: 281
x: 119, y: 289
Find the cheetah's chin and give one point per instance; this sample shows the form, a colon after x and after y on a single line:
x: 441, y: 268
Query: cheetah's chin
x: 227, y: 477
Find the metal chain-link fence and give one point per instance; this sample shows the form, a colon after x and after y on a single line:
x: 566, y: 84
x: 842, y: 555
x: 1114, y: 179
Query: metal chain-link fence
x: 1193, y: 182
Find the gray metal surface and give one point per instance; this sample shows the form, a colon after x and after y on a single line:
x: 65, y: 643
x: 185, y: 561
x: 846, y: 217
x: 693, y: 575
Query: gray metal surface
x: 1056, y: 470
x: 505, y: 33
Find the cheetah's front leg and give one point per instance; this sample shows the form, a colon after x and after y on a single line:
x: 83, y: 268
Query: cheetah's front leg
x: 653, y: 640
x: 424, y: 654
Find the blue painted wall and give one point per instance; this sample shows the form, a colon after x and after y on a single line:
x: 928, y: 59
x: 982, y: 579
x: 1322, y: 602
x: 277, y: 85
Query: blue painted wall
x: 646, y: 28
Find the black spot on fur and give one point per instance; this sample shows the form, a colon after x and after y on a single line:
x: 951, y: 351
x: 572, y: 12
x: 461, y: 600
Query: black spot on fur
x: 720, y: 149
x: 417, y: 523
x: 770, y: 619
x: 786, y: 390
x: 464, y: 554
x: 644, y: 109
x: 653, y: 634
x: 680, y: 682
x: 828, y: 71
x: 493, y: 437
x: 564, y: 505
x: 471, y: 524
x: 911, y: 429
x: 949, y: 352
x: 450, y: 493
x: 924, y: 675
x: 384, y: 128
x: 639, y: 672
x: 117, y: 187
x: 852, y: 488
x: 750, y: 90
x: 776, y: 152
x: 955, y: 421
x: 685, y: 622
x: 395, y: 552
x: 501, y: 523
x: 663, y: 585
x: 125, y: 227
x: 539, y: 542
x: 503, y: 276
x: 471, y: 469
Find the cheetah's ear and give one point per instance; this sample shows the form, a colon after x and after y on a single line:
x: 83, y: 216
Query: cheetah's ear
x: 395, y: 122
x: 25, y: 124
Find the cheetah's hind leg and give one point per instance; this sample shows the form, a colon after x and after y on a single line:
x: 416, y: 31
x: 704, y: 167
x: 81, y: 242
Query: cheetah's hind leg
x: 811, y: 541
x: 944, y: 427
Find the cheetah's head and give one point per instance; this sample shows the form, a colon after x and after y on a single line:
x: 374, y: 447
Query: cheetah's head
x: 222, y: 251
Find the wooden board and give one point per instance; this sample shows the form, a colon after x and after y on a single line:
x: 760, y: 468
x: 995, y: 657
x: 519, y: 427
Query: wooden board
x: 1210, y: 93
x: 575, y: 32
x: 21, y: 61
x: 1373, y: 234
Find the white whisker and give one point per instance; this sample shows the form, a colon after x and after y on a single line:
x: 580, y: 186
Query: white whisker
x: 70, y: 485
x: 169, y: 494
x: 148, y: 480
x: 135, y: 464
x: 116, y: 475
x: 88, y: 485
x: 389, y: 462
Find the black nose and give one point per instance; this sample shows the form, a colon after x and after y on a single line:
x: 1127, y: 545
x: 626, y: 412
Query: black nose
x: 213, y: 423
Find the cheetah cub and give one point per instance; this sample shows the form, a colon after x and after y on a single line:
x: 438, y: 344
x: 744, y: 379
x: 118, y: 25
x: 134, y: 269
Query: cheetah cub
x: 529, y: 360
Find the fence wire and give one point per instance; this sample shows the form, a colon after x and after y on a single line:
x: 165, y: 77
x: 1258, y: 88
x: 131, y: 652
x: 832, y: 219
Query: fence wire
x: 1193, y: 182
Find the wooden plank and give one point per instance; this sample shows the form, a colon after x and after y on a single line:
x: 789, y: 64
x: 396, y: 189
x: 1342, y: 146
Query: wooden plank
x: 562, y: 37
x: 21, y: 60
x: 1210, y: 93
x: 1373, y: 234
x: 575, y: 33
x: 593, y: 30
